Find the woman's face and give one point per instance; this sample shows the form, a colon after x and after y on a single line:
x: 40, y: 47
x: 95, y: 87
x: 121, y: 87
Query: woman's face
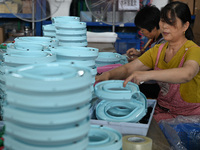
x: 173, y: 32
x: 149, y: 35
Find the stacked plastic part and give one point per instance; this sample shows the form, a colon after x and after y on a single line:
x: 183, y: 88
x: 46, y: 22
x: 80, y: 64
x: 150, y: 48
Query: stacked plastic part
x: 18, y: 54
x: 110, y: 58
x: 48, y: 107
x: 69, y: 31
x: 104, y: 138
x: 78, y: 56
x: 72, y: 37
x: 49, y: 30
x: 46, y: 42
x: 118, y: 103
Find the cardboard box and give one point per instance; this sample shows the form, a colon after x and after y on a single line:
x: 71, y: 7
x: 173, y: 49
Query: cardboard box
x: 26, y: 6
x: 190, y: 3
x: 3, y: 8
x: 127, y: 127
x: 26, y: 3
x: 26, y: 10
x: 2, y: 35
x: 196, y: 28
x: 12, y: 6
x: 196, y: 6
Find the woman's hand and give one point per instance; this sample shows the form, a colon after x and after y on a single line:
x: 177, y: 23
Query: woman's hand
x: 133, y: 54
x: 104, y: 76
x: 123, y: 72
x: 137, y: 77
x: 174, y: 75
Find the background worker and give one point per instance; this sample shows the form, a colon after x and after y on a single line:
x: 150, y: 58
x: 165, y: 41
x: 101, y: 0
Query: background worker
x: 147, y: 20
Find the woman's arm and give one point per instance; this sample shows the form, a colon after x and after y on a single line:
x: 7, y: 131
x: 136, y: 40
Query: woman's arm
x: 123, y: 71
x: 174, y: 75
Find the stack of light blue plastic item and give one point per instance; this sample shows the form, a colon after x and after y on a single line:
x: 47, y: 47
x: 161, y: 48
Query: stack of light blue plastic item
x: 108, y: 58
x: 78, y: 56
x: 118, y: 103
x: 48, y: 107
x: 69, y: 31
x: 49, y: 30
x: 71, y: 34
x: 18, y: 54
x: 46, y: 42
x: 48, y: 84
x: 104, y: 138
x: 70, y: 50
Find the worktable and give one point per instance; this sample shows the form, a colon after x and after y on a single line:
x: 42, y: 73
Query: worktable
x: 159, y: 140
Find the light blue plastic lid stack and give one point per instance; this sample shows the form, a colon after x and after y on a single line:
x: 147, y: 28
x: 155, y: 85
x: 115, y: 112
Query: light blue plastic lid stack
x: 48, y: 107
x: 49, y: 30
x: 61, y: 19
x: 19, y: 54
x: 108, y: 58
x: 46, y: 42
x: 80, y: 56
x: 70, y: 31
x: 21, y: 45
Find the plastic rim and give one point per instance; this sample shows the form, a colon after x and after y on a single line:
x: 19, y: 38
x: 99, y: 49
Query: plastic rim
x: 49, y: 33
x: 67, y: 43
x: 49, y: 102
x: 44, y: 119
x: 15, y: 144
x: 104, y: 138
x: 28, y: 46
x: 76, y: 52
x: 49, y: 27
x: 65, y: 19
x: 108, y: 57
x: 114, y: 90
x: 49, y: 77
x: 33, y: 38
x: 49, y: 136
x: 71, y: 25
x: 71, y: 32
x: 71, y: 38
x: 136, y: 111
x: 87, y: 63
x: 29, y: 57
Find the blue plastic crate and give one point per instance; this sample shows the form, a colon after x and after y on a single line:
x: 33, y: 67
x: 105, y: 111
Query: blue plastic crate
x: 122, y: 35
x: 126, y: 41
x: 121, y: 46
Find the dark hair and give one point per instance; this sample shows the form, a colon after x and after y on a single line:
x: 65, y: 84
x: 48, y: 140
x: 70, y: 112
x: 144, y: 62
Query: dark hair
x: 148, y: 18
x: 180, y: 10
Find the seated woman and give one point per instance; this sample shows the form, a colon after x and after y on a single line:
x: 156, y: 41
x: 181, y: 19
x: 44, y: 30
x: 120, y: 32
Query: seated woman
x: 147, y: 20
x: 175, y: 66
